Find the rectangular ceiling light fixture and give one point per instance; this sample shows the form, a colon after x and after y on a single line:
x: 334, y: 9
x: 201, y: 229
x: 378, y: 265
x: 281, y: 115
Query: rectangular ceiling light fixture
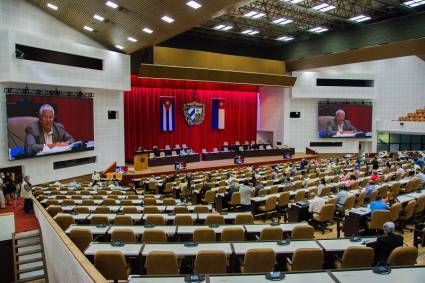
x: 195, y: 5
x: 132, y: 39
x: 147, y: 30
x: 250, y: 32
x: 414, y: 3
x: 324, y: 7
x: 282, y: 21
x: 99, y: 18
x: 88, y: 28
x: 167, y: 19
x: 285, y: 38
x: 318, y: 29
x: 111, y: 4
x: 51, y: 6
x: 119, y: 47
x: 360, y: 18
x: 293, y: 1
x: 223, y: 27
x: 254, y: 15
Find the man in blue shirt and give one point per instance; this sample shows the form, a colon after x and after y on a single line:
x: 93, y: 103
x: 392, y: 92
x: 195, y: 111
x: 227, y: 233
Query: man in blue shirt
x: 378, y: 204
x: 370, y: 189
x: 341, y: 196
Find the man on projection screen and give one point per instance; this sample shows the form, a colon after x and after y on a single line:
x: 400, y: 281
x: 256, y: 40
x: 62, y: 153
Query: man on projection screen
x: 46, y: 134
x: 339, y: 125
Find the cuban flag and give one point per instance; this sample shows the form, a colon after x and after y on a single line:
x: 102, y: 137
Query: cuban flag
x: 218, y: 113
x: 167, y: 110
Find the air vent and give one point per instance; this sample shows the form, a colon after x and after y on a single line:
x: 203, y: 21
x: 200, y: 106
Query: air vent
x: 344, y: 82
x: 24, y: 52
x: 74, y: 162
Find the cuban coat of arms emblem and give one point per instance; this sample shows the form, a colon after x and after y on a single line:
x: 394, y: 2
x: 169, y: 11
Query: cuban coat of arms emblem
x: 194, y: 113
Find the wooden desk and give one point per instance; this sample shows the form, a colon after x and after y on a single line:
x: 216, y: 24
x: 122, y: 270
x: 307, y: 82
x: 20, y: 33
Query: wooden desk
x: 126, y: 250
x: 181, y: 250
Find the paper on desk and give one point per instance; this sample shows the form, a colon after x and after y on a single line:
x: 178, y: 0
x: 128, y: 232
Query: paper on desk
x: 56, y: 149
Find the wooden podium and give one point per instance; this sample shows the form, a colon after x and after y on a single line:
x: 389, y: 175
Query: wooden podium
x: 140, y: 162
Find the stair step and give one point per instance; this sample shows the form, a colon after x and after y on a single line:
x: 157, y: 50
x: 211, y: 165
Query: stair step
x: 34, y: 264
x: 33, y: 278
x: 25, y: 261
x: 30, y: 269
x: 27, y: 234
x: 32, y: 274
x: 30, y: 256
x: 28, y: 244
x: 27, y: 240
x: 29, y: 248
x: 29, y: 252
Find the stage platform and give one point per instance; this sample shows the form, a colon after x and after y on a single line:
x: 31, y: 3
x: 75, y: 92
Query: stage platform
x: 211, y: 165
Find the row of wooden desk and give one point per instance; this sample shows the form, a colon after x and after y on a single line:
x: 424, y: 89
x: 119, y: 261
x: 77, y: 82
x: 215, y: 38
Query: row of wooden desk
x: 236, y: 248
x: 183, y: 230
x: 411, y: 274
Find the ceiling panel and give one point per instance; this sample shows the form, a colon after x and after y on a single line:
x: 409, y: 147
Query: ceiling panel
x: 132, y: 16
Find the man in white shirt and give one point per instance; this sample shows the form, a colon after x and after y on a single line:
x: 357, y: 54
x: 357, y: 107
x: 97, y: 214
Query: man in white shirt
x: 400, y: 170
x: 26, y: 193
x: 245, y: 191
x: 2, y: 199
x: 316, y: 204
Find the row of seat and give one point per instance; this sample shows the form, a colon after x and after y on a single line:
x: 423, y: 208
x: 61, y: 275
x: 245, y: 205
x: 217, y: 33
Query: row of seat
x: 113, y: 265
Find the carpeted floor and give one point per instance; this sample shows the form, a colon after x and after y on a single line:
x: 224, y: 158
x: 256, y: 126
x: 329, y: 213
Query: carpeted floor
x: 23, y: 222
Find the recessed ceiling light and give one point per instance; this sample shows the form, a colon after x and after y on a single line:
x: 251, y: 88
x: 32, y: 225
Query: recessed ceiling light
x: 285, y: 38
x: 223, y: 27
x: 254, y: 15
x: 360, y: 18
x: 324, y: 7
x: 414, y: 3
x: 282, y: 21
x: 99, y: 18
x: 119, y: 47
x: 51, y: 6
x: 132, y: 39
x: 294, y: 1
x: 167, y: 19
x: 147, y: 30
x: 318, y: 29
x: 195, y: 5
x: 111, y: 4
x: 88, y: 28
x: 250, y: 32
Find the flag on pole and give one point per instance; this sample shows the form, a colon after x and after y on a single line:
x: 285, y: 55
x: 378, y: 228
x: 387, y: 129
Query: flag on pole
x: 167, y: 111
x: 218, y: 113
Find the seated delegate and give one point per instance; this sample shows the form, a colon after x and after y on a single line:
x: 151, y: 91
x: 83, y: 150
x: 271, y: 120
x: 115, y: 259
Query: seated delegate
x: 46, y: 133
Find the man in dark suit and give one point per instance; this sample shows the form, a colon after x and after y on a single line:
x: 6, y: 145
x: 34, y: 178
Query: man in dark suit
x: 384, y: 245
x: 45, y: 132
x: 339, y: 124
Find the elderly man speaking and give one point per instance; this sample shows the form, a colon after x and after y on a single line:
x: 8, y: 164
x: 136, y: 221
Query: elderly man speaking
x: 45, y: 133
x: 339, y: 125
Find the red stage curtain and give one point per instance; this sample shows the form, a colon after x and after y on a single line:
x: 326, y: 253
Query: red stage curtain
x: 142, y: 121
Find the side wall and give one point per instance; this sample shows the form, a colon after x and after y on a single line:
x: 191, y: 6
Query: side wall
x: 21, y: 22
x: 398, y: 89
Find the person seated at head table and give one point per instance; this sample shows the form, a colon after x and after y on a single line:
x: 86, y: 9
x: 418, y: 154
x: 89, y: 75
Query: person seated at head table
x: 384, y: 245
x: 45, y: 133
x: 339, y: 125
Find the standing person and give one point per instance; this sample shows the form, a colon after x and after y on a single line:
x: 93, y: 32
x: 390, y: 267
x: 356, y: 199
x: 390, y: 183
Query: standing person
x: 2, y: 199
x: 8, y: 188
x: 245, y: 191
x: 27, y: 194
